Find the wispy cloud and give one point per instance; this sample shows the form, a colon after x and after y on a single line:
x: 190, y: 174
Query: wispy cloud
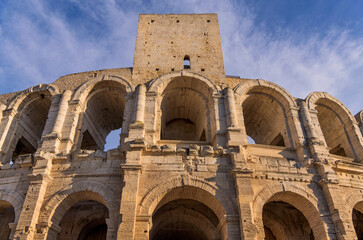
x: 41, y: 43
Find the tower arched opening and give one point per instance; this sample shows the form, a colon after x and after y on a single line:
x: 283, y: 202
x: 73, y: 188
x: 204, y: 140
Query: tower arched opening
x: 29, y: 125
x: 265, y: 120
x: 186, y: 108
x: 104, y: 112
x: 7, y: 215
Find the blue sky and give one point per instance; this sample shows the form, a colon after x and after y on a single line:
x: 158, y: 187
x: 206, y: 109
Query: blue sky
x: 303, y: 45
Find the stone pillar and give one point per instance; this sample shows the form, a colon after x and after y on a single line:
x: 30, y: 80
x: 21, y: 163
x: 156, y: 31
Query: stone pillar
x: 140, y: 103
x: 53, y: 129
x: 308, y: 125
x: 62, y: 111
x: 131, y: 176
x: 220, y: 122
x: 6, y: 126
x: 71, y: 124
x: 137, y: 128
x: 244, y: 190
x: 234, y: 132
x: 230, y: 108
x: 39, y: 179
x: 128, y: 118
x: 339, y: 214
x: 297, y: 135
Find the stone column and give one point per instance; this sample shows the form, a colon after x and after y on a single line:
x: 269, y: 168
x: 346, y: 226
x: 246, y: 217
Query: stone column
x: 71, y: 123
x: 39, y: 179
x: 220, y: 124
x: 7, y: 125
x: 53, y: 129
x: 230, y: 108
x: 307, y: 122
x: 297, y: 135
x: 137, y: 128
x: 234, y: 132
x: 140, y: 103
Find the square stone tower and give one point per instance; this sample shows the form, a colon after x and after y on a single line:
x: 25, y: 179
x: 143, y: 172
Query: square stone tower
x: 168, y: 43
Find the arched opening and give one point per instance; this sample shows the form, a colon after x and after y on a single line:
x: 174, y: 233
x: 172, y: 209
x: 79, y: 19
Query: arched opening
x: 357, y: 216
x: 186, y: 62
x: 30, y: 122
x: 85, y: 220
x: 7, y: 215
x: 178, y: 216
x: 185, y: 110
x: 332, y: 121
x: 104, y: 113
x: 264, y: 119
x: 283, y: 221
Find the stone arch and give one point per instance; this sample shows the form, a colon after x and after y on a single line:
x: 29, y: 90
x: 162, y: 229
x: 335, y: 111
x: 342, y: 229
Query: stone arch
x: 54, y: 210
x: 149, y: 202
x: 352, y: 199
x: 340, y: 109
x: 354, y: 202
x: 15, y: 199
x: 99, y: 114
x: 20, y: 97
x: 25, y: 121
x: 257, y: 103
x: 159, y: 84
x: 270, y: 88
x: 189, y: 188
x: 83, y: 91
x: 305, y: 202
x: 177, y: 116
x: 347, y: 135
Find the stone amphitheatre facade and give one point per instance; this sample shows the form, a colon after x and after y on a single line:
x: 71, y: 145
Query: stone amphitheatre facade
x: 184, y: 168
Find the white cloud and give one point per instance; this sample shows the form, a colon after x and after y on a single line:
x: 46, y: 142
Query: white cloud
x: 42, y: 52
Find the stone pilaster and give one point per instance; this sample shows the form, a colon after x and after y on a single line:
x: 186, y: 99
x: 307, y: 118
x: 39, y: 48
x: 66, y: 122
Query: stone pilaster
x: 39, y: 179
x: 131, y: 177
x: 244, y: 190
x: 339, y: 214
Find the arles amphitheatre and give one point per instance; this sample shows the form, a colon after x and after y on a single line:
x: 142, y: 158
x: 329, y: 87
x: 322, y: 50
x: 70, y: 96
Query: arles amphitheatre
x: 184, y: 168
